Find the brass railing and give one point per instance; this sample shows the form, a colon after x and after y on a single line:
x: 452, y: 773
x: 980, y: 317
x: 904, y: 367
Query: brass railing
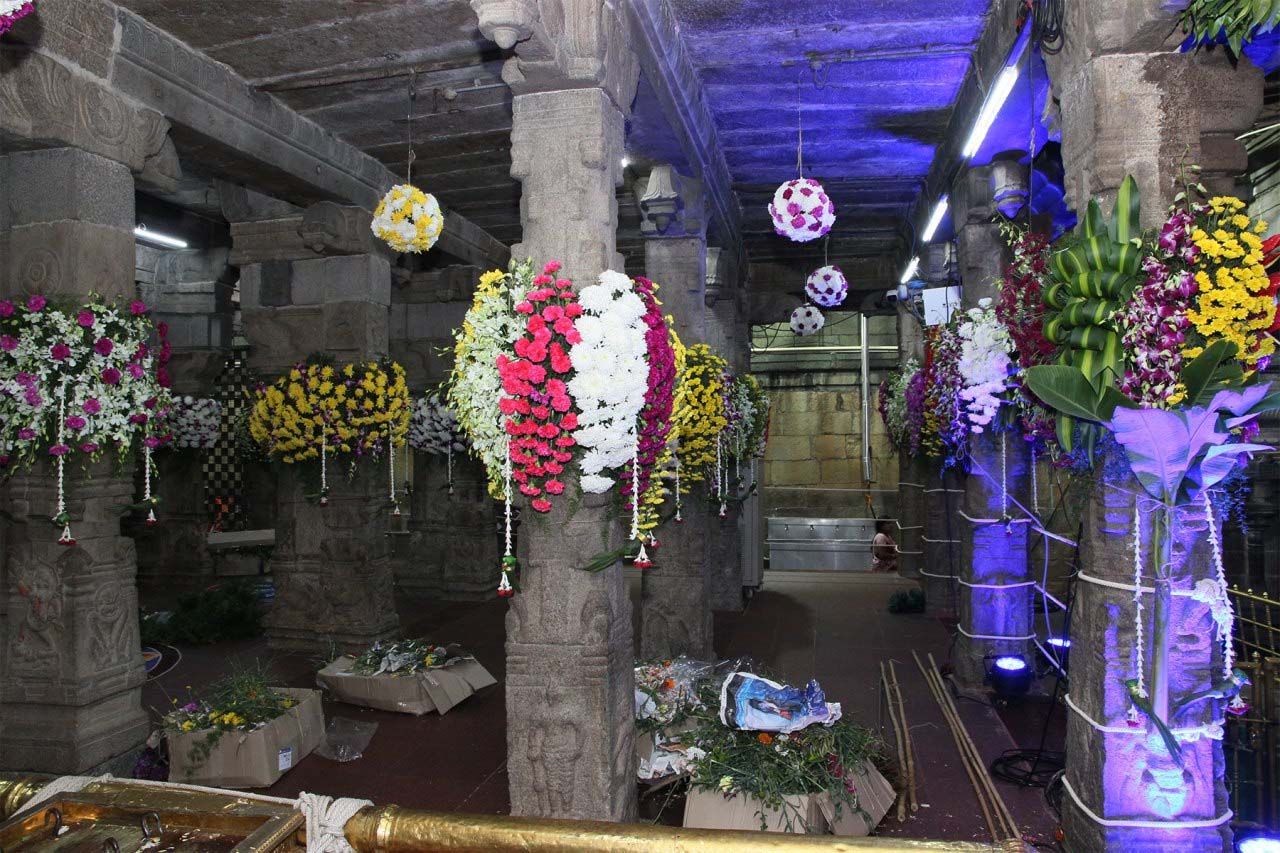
x: 1253, y: 765
x: 391, y: 829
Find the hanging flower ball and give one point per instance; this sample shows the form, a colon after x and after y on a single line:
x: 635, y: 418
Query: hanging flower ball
x: 408, y: 220
x: 12, y: 11
x: 827, y: 286
x: 801, y: 210
x: 806, y: 320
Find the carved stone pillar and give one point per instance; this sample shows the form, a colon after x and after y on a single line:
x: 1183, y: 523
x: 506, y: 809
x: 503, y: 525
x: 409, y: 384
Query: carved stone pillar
x: 994, y: 594
x: 70, y: 661
x: 314, y: 282
x: 570, y: 704
x: 1132, y: 104
x: 726, y: 335
x: 675, y: 594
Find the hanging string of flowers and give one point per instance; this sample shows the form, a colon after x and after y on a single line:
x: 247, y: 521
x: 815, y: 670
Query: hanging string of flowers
x: 1020, y: 307
x: 540, y: 420
x: 489, y: 330
x: 667, y: 462
x: 700, y: 416
x: 434, y: 429
x: 318, y: 409
x: 904, y: 432
x: 78, y: 381
x: 610, y: 376
x: 944, y: 429
x: 655, y: 415
x: 984, y: 364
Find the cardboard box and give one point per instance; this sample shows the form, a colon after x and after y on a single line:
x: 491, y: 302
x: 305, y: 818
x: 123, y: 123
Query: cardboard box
x: 255, y: 759
x: 814, y: 813
x: 435, y: 689
x: 713, y: 810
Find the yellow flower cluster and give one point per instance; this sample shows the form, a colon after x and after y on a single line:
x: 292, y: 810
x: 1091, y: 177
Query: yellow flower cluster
x: 699, y: 414
x: 351, y: 409
x: 1233, y: 301
x: 408, y: 219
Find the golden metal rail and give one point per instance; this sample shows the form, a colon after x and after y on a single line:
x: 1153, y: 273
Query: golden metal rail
x: 391, y: 829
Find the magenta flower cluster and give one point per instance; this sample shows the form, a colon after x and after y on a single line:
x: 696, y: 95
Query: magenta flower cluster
x: 655, y: 417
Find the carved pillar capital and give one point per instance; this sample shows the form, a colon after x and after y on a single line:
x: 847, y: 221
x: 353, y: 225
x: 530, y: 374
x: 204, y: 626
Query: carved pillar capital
x: 671, y: 205
x: 570, y: 44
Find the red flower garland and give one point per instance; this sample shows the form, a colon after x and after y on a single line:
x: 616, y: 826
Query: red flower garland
x: 540, y: 413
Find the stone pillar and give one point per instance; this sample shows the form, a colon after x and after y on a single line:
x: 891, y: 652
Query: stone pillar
x: 314, y: 281
x: 943, y: 492
x: 70, y: 661
x: 727, y: 336
x: 570, y: 686
x: 190, y: 291
x: 913, y: 469
x: 1132, y: 104
x: 994, y: 591
x: 675, y: 594
x: 449, y: 548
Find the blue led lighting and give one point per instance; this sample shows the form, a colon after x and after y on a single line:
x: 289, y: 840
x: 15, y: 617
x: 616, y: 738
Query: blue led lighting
x: 1060, y: 642
x: 1011, y: 664
x: 1259, y: 844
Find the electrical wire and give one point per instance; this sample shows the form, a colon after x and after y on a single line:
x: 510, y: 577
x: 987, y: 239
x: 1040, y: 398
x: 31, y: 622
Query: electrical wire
x: 1046, y: 24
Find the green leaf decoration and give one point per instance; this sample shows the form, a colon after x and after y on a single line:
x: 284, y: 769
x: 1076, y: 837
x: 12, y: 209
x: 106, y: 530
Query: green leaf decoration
x: 1199, y: 373
x: 1064, y: 389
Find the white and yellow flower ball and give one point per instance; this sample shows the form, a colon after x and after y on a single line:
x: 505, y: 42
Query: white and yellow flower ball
x: 408, y: 219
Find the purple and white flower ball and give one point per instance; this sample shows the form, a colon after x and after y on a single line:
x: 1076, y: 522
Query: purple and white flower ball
x: 827, y: 286
x: 806, y: 320
x: 801, y: 210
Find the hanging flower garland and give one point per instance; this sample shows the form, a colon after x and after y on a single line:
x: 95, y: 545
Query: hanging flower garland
x: 489, y: 330
x: 434, y: 429
x: 700, y: 416
x: 827, y: 286
x: 756, y: 424
x: 540, y: 419
x: 78, y: 381
x: 655, y: 416
x: 12, y: 11
x: 894, y: 409
x: 610, y: 375
x: 807, y: 320
x: 1020, y: 308
x: 944, y: 428
x: 667, y: 463
x: 408, y: 220
x: 317, y: 410
x: 984, y: 364
x: 194, y: 423
x: 801, y: 210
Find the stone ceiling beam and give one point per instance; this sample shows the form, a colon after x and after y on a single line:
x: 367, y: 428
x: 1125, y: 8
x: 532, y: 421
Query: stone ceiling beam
x: 246, y: 136
x: 657, y: 43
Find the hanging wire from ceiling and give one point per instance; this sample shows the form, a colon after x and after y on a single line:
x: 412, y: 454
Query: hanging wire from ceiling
x: 799, y: 132
x: 413, y: 96
x: 1046, y: 23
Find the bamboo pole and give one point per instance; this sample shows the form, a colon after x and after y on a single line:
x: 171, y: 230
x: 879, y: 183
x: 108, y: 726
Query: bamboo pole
x: 897, y: 736
x: 978, y: 790
x: 912, y: 799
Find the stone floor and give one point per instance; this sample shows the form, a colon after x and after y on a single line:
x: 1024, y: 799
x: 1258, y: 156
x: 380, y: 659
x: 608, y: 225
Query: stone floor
x: 802, y: 625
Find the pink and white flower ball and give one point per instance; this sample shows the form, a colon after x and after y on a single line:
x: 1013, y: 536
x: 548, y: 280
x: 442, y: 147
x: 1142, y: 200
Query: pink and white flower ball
x: 802, y: 211
x: 806, y: 320
x: 12, y: 11
x: 827, y: 286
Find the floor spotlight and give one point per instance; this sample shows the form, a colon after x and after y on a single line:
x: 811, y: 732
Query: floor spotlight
x: 1264, y: 843
x: 1008, y: 675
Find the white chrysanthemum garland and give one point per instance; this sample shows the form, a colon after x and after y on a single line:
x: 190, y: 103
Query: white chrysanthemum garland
x: 194, y: 422
x: 434, y: 429
x: 985, y: 346
x: 611, y: 372
x: 490, y: 329
x: 407, y: 219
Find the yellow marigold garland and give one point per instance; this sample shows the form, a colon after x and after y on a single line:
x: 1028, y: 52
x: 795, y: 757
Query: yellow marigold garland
x: 699, y: 411
x: 351, y: 407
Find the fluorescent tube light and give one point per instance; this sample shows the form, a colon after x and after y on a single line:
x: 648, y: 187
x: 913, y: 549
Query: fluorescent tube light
x: 990, y: 109
x: 159, y: 239
x: 935, y: 219
x: 910, y: 270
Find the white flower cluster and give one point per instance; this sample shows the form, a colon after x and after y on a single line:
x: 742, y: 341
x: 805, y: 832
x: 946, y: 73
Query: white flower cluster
x: 611, y: 375
x: 194, y: 423
x: 408, y: 219
x: 984, y: 364
x: 827, y: 286
x: 433, y: 428
x: 807, y: 320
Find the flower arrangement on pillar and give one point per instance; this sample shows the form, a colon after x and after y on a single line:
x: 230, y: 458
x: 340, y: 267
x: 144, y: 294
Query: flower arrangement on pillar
x: 901, y: 407
x: 984, y: 364
x: 318, y: 409
x: 407, y: 219
x: 194, y: 423
x: 12, y: 11
x: 700, y: 413
x: 944, y: 429
x: 1184, y: 410
x: 434, y: 429
x: 77, y: 382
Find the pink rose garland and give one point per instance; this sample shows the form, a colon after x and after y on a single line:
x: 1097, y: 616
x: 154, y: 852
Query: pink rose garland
x: 540, y: 413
